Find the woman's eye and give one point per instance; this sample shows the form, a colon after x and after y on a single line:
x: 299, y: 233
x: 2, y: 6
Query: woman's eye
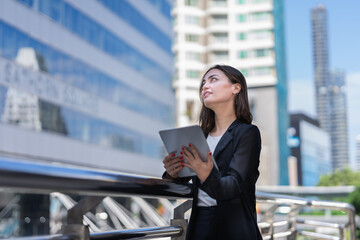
x: 213, y: 79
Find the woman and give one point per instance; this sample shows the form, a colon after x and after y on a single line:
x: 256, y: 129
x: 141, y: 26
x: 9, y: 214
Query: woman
x: 224, y: 197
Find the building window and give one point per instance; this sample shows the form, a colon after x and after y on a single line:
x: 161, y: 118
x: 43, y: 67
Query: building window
x: 193, y: 56
x: 192, y: 3
x: 260, y: 16
x: 242, y: 36
x: 176, y: 57
x: 241, y: 1
x: 190, y: 109
x: 220, y: 37
x: 242, y: 18
x: 243, y: 54
x: 262, y: 52
x: 219, y: 3
x: 219, y: 19
x: 221, y: 55
x: 261, y: 71
x: 245, y: 72
x: 261, y: 34
x: 192, y: 38
x: 193, y: 74
x: 189, y: 19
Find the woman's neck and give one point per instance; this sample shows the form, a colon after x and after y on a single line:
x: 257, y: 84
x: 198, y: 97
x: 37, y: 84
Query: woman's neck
x: 223, y: 120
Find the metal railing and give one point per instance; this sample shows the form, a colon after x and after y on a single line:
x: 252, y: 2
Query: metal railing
x: 95, y: 184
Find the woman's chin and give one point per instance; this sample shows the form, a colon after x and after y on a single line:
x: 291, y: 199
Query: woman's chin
x: 208, y: 103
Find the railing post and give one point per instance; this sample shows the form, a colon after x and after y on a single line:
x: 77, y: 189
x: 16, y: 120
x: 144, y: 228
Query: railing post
x: 179, y: 219
x: 75, y: 227
x: 292, y: 222
x: 269, y: 218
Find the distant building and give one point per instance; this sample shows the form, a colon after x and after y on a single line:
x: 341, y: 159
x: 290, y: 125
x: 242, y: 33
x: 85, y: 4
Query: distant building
x: 338, y: 120
x: 311, y: 149
x: 321, y: 66
x: 87, y: 82
x: 358, y: 152
x: 248, y: 35
x: 330, y: 91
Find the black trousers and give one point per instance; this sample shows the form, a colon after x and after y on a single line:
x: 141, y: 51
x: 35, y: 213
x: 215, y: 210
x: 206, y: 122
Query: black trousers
x: 202, y: 227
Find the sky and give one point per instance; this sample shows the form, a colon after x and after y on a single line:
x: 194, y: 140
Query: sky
x: 343, y: 19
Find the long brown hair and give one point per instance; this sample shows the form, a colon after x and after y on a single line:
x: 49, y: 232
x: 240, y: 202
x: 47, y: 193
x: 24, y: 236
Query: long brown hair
x: 241, y: 103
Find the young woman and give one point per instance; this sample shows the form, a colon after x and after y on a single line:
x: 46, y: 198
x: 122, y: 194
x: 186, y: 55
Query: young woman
x: 224, y: 197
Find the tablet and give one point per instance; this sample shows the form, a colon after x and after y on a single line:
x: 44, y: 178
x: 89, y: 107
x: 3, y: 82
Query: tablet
x: 175, y: 138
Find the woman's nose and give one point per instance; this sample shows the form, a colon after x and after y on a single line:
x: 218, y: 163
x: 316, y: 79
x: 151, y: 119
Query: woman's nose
x: 206, y: 85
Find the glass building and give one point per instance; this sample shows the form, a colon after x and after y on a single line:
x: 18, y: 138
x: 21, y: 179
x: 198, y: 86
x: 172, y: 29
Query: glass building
x: 86, y: 82
x: 330, y: 91
x: 248, y: 35
x: 312, y: 149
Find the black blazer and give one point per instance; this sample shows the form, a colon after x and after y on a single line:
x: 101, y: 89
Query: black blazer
x: 233, y: 184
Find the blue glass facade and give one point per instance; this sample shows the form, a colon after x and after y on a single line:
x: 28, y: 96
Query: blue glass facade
x: 81, y: 75
x: 283, y: 118
x: 128, y: 13
x: 79, y: 126
x: 100, y: 37
x: 75, y: 124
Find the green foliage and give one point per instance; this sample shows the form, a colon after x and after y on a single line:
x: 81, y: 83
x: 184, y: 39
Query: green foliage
x: 342, y: 177
x: 354, y: 199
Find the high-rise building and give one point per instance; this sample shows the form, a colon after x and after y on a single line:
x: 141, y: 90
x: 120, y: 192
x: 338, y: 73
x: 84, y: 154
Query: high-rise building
x: 248, y: 35
x: 357, y: 152
x: 338, y: 120
x: 330, y: 91
x: 86, y: 82
x: 311, y: 149
x: 321, y: 65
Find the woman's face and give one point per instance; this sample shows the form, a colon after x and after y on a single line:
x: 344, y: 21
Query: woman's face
x: 217, y: 89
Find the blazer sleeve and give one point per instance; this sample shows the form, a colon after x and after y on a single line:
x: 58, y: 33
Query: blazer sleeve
x: 177, y: 180
x: 243, y: 168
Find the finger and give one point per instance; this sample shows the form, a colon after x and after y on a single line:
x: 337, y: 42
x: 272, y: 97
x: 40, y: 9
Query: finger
x: 186, y: 153
x: 209, y: 159
x: 176, y: 163
x: 175, y: 168
x: 173, y: 161
x: 194, y: 151
x: 168, y: 157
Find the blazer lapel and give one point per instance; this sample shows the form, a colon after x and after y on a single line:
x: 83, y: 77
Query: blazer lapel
x: 224, y: 141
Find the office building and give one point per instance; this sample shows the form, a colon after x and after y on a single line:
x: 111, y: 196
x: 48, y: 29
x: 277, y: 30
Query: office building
x: 321, y: 65
x: 338, y: 116
x: 246, y: 34
x: 330, y: 91
x: 86, y: 82
x: 311, y: 149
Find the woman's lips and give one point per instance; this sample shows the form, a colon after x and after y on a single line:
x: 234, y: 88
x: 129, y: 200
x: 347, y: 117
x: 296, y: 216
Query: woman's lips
x: 206, y: 93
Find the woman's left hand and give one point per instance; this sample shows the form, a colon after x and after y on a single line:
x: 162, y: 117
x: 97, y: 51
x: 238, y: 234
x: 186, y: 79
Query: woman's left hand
x: 201, y: 168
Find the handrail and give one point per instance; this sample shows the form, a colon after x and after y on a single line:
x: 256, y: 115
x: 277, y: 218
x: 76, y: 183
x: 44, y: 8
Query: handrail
x: 46, y: 178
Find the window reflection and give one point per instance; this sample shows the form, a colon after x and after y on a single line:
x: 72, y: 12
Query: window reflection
x: 102, y: 38
x: 78, y: 74
x: 30, y: 112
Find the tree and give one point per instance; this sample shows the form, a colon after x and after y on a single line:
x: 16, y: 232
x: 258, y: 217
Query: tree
x: 341, y: 177
x: 354, y: 199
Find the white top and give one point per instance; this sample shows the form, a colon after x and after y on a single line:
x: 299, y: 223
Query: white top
x: 204, y: 200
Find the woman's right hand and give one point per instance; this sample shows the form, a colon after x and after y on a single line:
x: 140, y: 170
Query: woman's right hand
x: 173, y: 164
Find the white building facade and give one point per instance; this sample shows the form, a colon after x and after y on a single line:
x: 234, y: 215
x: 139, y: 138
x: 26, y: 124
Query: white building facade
x: 248, y: 35
x: 86, y: 82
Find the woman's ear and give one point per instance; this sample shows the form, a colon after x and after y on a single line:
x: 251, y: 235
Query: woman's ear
x: 236, y: 88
